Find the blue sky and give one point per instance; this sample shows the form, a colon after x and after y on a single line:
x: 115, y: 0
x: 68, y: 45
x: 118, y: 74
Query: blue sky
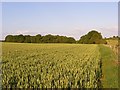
x: 63, y: 18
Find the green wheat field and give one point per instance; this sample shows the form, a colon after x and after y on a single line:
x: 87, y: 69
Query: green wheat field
x: 28, y: 65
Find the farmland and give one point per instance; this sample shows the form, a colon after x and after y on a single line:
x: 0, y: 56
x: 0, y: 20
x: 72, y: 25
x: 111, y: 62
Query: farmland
x: 27, y: 65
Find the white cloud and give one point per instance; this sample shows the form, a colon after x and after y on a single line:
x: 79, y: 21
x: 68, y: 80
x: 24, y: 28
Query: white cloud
x: 26, y: 32
x: 23, y: 32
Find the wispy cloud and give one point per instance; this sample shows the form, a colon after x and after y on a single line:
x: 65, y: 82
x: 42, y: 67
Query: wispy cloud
x: 26, y: 32
x: 23, y: 32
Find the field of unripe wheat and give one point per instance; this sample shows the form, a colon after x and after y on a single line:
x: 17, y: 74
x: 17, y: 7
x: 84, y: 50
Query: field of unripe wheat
x: 51, y: 65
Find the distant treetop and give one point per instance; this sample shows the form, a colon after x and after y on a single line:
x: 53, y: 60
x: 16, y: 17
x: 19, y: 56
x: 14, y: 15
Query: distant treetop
x: 92, y: 37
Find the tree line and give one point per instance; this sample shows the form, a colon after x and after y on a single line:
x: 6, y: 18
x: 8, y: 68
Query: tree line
x: 39, y: 39
x: 113, y: 38
x: 92, y: 37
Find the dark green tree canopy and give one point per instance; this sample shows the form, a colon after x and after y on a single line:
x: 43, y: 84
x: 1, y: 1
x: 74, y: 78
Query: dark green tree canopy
x: 92, y: 37
x: 39, y: 39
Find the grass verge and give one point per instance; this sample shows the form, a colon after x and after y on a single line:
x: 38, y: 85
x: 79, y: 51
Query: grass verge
x: 109, y: 68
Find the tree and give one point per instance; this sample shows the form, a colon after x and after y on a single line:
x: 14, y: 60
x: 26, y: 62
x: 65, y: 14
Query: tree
x: 71, y: 40
x: 38, y: 38
x: 9, y: 38
x: 93, y: 37
x: 21, y: 38
x: 48, y: 38
x: 33, y: 39
x: 27, y: 39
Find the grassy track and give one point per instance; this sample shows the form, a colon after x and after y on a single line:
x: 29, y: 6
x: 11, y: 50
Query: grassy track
x: 109, y: 68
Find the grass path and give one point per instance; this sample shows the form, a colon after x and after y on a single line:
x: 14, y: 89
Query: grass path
x: 109, y: 68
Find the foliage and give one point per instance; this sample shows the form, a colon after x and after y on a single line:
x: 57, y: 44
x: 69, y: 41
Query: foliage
x: 39, y: 39
x: 93, y: 37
